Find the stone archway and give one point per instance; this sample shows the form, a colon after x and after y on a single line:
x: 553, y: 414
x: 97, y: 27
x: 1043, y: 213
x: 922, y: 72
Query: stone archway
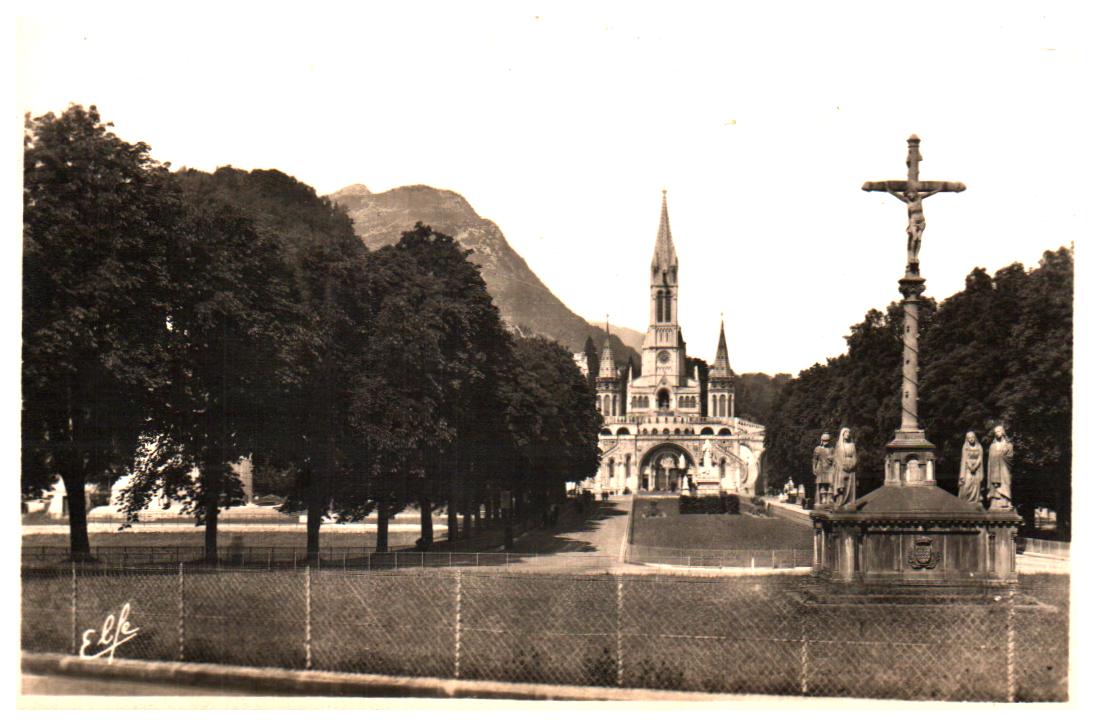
x: 661, y: 470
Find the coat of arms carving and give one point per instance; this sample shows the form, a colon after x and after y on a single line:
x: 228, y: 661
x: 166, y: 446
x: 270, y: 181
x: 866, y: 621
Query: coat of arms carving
x: 923, y: 556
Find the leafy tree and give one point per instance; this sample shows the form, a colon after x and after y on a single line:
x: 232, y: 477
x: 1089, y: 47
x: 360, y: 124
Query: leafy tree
x: 237, y: 336
x: 98, y: 223
x: 425, y: 405
x: 756, y: 394
x: 592, y: 358
x: 320, y: 264
x: 553, y: 423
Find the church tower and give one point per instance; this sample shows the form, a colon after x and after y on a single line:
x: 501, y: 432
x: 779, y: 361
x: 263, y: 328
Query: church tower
x: 664, y: 356
x: 721, y: 382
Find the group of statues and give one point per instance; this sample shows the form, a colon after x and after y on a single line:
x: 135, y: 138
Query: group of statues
x: 835, y: 471
x: 970, y: 476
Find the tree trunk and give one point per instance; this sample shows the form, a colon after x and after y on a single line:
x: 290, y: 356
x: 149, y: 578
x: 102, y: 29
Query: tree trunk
x: 212, y: 511
x: 467, y: 531
x: 315, y: 518
x: 453, y: 514
x: 426, y: 540
x: 79, y: 546
x: 489, y: 508
x: 381, y: 527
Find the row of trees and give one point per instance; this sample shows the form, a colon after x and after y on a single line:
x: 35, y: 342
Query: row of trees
x: 176, y: 323
x: 998, y: 352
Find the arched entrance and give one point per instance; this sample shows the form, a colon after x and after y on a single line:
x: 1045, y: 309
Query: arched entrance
x: 665, y: 467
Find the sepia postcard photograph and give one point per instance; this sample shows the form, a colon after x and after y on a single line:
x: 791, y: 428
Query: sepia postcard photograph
x: 458, y: 354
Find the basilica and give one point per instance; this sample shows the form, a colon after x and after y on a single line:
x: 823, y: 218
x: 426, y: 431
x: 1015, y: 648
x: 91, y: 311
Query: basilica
x: 665, y: 429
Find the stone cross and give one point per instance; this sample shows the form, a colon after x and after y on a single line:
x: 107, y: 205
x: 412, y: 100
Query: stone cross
x: 909, y: 450
x: 912, y: 192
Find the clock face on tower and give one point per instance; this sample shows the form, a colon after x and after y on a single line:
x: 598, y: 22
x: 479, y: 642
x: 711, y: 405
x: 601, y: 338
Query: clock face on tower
x: 664, y: 356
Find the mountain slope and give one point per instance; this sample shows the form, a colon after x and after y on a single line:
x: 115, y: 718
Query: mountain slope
x: 629, y: 336
x: 524, y: 301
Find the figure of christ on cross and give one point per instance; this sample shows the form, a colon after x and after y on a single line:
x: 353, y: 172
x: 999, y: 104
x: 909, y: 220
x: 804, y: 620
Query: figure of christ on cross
x: 912, y: 192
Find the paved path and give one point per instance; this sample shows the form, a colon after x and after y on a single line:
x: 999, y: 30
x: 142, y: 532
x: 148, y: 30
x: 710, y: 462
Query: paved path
x: 592, y: 545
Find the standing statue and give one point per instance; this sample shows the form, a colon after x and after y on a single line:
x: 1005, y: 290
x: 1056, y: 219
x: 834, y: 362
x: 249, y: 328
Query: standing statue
x: 844, y: 478
x: 970, y: 474
x: 822, y: 471
x: 1000, y: 457
x: 707, y: 453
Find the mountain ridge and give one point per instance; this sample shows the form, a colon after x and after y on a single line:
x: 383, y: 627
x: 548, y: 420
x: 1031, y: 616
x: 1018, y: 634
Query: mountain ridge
x: 526, y: 304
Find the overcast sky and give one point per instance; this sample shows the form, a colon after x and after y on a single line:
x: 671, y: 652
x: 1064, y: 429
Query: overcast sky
x: 563, y: 125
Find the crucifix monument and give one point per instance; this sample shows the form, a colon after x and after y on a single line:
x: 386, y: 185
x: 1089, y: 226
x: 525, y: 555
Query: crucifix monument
x: 910, y: 450
x: 911, y: 532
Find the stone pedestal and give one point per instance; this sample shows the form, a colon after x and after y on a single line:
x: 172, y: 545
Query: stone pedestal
x: 708, y: 483
x: 915, y: 535
x: 910, y: 460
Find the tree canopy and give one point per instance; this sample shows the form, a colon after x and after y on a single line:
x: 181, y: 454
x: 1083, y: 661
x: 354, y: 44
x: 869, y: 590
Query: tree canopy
x: 998, y: 352
x: 98, y: 233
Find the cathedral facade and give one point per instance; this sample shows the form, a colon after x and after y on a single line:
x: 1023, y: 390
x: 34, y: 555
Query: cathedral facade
x: 663, y: 429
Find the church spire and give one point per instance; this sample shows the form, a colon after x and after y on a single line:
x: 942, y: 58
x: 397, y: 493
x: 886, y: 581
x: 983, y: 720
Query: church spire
x: 607, y: 356
x: 721, y: 367
x: 664, y: 254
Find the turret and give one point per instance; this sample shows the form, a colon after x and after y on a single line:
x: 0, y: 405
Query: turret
x: 721, y: 381
x: 608, y: 396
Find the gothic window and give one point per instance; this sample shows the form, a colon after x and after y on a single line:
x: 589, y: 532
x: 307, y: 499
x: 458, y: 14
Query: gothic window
x: 663, y: 399
x: 627, y: 466
x: 660, y: 306
x: 613, y: 405
x: 611, y: 468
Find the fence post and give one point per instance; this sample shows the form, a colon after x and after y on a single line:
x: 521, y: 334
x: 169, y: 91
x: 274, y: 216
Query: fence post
x: 307, y: 617
x: 459, y: 623
x: 804, y: 655
x: 619, y: 631
x: 74, y: 652
x: 1012, y: 684
x: 182, y: 615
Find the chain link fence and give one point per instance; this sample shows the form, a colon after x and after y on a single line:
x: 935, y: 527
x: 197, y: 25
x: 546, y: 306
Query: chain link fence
x: 328, y: 558
x: 751, y: 558
x: 773, y: 635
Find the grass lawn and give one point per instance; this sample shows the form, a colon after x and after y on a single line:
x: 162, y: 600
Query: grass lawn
x: 196, y: 538
x: 713, y: 531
